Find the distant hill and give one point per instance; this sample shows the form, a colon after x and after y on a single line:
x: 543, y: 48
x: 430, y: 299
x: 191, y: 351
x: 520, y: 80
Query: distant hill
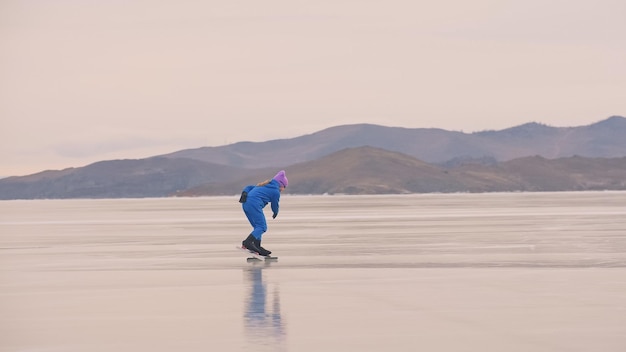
x: 360, y: 159
x: 368, y: 170
x: 538, y: 174
x: 362, y: 170
x: 151, y: 177
x: 604, y: 139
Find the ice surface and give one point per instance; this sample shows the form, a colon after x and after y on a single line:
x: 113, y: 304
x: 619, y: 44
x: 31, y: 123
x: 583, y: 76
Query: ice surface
x: 436, y: 272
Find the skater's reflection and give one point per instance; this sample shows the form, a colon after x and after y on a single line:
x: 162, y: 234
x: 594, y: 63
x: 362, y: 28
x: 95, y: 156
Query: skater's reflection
x: 263, y: 321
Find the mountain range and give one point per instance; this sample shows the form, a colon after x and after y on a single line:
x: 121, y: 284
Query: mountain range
x: 604, y: 139
x: 360, y: 159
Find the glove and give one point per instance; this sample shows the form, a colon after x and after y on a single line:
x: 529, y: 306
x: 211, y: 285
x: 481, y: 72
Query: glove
x: 274, y: 215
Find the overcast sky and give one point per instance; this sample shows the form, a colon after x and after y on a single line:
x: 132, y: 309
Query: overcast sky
x: 83, y: 81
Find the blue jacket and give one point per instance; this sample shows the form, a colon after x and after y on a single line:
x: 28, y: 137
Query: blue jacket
x: 259, y: 196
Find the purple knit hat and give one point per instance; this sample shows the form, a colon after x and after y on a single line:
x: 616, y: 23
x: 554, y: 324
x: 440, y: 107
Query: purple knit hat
x: 281, y: 178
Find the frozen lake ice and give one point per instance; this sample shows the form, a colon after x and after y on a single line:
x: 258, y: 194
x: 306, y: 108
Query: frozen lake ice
x: 437, y: 272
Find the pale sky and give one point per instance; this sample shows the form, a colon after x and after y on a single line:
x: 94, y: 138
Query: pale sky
x: 83, y: 81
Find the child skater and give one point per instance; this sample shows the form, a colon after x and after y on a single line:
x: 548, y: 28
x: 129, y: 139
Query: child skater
x: 254, y: 199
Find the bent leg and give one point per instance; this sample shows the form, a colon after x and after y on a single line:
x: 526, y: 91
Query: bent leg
x: 257, y: 220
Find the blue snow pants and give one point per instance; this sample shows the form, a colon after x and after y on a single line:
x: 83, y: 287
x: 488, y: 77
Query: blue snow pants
x: 256, y: 217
